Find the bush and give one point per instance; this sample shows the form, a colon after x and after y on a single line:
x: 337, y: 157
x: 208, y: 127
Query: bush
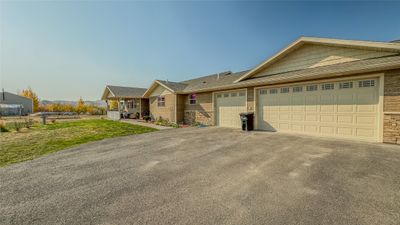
x: 3, y: 127
x: 147, y: 118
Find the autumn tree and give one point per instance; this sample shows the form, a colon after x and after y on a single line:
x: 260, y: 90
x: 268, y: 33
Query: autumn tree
x: 81, y: 107
x: 112, y: 104
x: 29, y: 93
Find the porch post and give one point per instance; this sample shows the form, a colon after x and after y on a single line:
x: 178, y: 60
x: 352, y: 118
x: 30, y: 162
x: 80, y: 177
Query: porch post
x: 140, y: 108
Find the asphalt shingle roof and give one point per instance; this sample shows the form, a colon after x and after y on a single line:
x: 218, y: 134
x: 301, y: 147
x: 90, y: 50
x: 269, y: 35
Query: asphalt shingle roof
x: 212, y: 82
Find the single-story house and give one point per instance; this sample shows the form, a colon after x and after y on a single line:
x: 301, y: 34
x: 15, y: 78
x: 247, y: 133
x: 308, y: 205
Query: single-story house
x: 128, y: 100
x: 15, y: 105
x: 319, y: 86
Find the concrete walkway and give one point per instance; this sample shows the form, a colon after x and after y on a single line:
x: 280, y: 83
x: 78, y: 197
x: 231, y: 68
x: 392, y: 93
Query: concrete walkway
x: 137, y: 122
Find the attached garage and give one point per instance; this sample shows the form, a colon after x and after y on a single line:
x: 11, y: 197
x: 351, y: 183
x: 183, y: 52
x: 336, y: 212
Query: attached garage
x: 228, y: 106
x: 347, y: 108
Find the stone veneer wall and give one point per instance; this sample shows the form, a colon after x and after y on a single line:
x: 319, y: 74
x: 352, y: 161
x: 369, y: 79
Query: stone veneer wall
x: 391, y: 107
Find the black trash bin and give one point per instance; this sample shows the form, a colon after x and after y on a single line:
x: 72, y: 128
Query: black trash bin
x: 247, y: 119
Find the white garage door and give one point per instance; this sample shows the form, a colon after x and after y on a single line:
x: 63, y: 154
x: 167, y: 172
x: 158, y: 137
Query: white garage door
x: 228, y: 106
x: 338, y: 109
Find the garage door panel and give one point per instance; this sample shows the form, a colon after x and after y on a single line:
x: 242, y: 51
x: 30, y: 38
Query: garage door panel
x: 345, y: 119
x: 297, y: 117
x: 228, y: 108
x: 365, y: 120
x: 365, y: 132
x: 344, y: 131
x: 327, y: 118
x: 327, y: 130
x: 344, y: 111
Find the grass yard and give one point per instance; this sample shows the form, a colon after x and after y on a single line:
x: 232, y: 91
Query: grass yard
x: 44, y: 139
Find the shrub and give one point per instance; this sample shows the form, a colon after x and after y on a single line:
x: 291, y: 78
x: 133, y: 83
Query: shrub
x: 28, y: 123
x: 18, y: 126
x: 3, y: 127
x: 147, y: 118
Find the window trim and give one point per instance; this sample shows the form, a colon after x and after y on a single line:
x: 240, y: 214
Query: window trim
x: 162, y: 102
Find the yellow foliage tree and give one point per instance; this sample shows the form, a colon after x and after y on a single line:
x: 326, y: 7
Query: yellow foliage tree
x: 29, y: 93
x: 81, y: 107
x: 112, y: 104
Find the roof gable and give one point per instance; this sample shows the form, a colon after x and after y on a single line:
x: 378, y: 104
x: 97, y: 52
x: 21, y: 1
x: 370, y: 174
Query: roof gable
x: 308, y: 53
x: 122, y: 92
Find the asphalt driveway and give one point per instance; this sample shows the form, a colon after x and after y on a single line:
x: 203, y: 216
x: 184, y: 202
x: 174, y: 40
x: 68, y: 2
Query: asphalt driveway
x: 207, y: 176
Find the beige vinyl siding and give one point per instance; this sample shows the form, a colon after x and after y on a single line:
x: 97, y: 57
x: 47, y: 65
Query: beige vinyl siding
x: 311, y: 56
x: 180, y: 107
x: 165, y: 112
x: 160, y: 90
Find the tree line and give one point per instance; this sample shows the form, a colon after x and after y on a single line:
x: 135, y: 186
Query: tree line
x: 80, y: 108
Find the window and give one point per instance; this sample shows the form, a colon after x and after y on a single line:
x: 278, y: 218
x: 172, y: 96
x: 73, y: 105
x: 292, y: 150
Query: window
x: 234, y: 94
x: 312, y: 87
x: 345, y: 85
x: 131, y: 104
x: 219, y: 95
x: 298, y: 89
x: 242, y: 93
x: 263, y: 92
x: 192, y: 99
x: 226, y: 95
x: 325, y: 87
x: 366, y: 83
x: 285, y: 90
x: 273, y: 91
x: 161, y: 101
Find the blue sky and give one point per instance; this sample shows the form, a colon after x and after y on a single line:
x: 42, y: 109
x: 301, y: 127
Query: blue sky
x: 64, y: 50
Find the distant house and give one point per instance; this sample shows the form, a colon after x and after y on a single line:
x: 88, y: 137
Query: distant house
x: 129, y: 102
x: 15, y: 105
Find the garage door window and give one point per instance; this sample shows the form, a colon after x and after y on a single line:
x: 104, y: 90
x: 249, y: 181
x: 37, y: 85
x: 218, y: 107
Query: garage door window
x: 273, y: 91
x: 226, y: 95
x: 312, y: 87
x: 242, y: 94
x: 345, y: 85
x: 234, y: 94
x: 297, y: 89
x: 366, y: 83
x: 285, y: 90
x: 219, y: 96
x: 263, y: 92
x: 325, y: 87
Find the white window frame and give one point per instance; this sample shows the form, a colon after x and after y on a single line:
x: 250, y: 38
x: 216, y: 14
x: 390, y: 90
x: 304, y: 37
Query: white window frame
x: 161, y: 101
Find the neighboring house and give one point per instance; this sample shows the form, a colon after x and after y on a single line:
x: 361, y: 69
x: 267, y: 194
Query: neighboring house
x: 129, y: 100
x: 15, y: 105
x: 326, y: 87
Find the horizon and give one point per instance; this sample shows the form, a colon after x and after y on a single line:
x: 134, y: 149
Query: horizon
x: 67, y: 50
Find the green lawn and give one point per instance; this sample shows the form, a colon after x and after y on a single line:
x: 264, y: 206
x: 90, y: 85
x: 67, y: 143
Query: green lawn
x: 44, y: 139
